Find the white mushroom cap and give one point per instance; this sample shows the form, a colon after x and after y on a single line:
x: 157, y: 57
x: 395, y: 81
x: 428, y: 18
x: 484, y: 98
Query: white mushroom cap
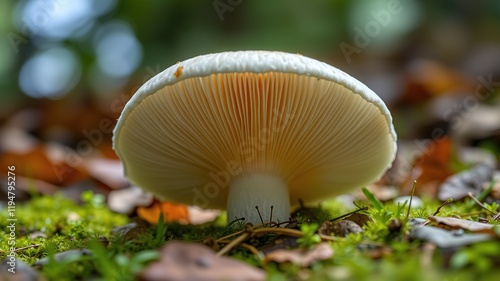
x: 254, y: 128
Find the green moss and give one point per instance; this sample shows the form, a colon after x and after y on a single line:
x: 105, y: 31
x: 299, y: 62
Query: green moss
x: 57, y: 221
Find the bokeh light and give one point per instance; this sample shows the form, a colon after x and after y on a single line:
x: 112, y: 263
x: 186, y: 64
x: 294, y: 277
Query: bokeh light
x: 118, y: 51
x: 50, y: 73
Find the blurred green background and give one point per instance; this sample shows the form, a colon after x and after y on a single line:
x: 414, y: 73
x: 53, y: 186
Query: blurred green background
x: 76, y: 59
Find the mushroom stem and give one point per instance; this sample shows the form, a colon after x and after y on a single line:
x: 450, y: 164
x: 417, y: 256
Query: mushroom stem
x: 263, y: 191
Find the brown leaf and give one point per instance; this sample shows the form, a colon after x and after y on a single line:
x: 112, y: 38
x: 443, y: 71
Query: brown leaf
x: 427, y: 79
x: 131, y: 230
x: 339, y: 228
x: 431, y: 168
x: 190, y: 261
x: 171, y: 212
x: 359, y: 219
x: 455, y: 223
x: 301, y: 257
x: 280, y: 242
x: 36, y: 164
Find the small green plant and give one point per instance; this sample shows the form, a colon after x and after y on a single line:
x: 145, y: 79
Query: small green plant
x: 310, y: 237
x: 161, y: 231
x: 120, y: 266
x: 376, y: 203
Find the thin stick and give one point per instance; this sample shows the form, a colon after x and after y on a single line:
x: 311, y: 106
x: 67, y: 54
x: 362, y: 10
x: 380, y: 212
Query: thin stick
x: 496, y: 216
x: 249, y: 247
x: 479, y: 203
x: 350, y: 213
x: 235, y: 242
x: 260, y: 216
x: 330, y: 238
x: 411, y: 198
x: 271, y: 215
x: 286, y: 231
x: 27, y: 247
x: 230, y: 235
x: 442, y: 205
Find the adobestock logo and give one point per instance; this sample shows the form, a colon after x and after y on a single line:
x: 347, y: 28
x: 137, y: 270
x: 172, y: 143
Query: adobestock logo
x: 38, y: 19
x: 363, y: 36
x: 458, y: 112
x: 222, y: 7
x: 455, y: 117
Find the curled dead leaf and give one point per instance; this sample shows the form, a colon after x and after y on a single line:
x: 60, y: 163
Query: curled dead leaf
x: 171, y: 212
x: 181, y: 261
x: 301, y: 257
x: 126, y: 200
x: 359, y: 218
x: 431, y: 168
x: 455, y: 223
x: 339, y: 228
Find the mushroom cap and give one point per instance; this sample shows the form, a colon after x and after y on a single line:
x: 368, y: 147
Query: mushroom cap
x: 208, y: 121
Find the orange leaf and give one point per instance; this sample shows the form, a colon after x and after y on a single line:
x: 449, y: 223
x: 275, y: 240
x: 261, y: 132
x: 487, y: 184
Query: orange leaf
x: 171, y: 212
x: 431, y: 168
x: 427, y: 79
x: 37, y: 165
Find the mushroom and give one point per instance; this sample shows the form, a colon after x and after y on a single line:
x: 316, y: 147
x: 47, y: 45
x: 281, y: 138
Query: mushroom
x: 247, y: 129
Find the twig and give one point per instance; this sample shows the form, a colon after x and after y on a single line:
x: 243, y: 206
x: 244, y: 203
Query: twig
x: 479, y: 203
x: 496, y: 217
x: 249, y: 247
x: 271, y: 215
x: 330, y: 238
x: 286, y: 231
x: 27, y: 247
x: 237, y: 241
x: 250, y: 231
x: 350, y: 213
x: 260, y: 216
x: 442, y: 205
x: 411, y: 199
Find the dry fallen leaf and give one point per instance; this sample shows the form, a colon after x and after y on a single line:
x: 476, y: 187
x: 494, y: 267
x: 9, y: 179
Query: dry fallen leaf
x: 339, y: 228
x: 171, y: 212
x: 198, y: 215
x: 181, y: 261
x: 431, y: 168
x: 455, y: 223
x: 301, y: 257
x: 427, y: 79
x: 131, y: 230
x: 126, y: 200
x: 37, y: 164
x: 359, y: 218
x: 107, y: 171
